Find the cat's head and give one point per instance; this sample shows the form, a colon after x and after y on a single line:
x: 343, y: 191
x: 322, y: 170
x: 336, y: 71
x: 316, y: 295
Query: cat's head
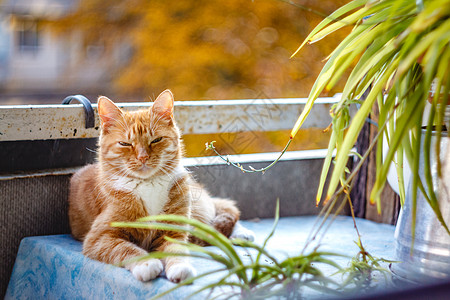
x: 139, y: 144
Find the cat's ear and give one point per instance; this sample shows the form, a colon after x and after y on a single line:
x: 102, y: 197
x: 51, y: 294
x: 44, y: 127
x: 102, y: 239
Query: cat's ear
x: 163, y: 105
x: 108, y: 112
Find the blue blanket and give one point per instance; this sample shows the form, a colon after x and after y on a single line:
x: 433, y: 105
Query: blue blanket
x: 53, y: 267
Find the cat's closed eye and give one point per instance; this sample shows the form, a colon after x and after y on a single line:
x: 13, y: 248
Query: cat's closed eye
x: 157, y: 140
x: 125, y: 144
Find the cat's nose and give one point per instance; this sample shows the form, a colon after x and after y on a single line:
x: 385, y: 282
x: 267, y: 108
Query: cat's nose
x: 143, y: 158
x: 142, y: 155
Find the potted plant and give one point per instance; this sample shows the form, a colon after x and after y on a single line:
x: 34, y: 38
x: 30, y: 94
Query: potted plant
x: 399, y: 53
x: 398, y: 49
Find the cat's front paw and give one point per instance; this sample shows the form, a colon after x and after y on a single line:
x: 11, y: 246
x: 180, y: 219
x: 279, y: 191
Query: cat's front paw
x: 146, y: 270
x: 179, y: 272
x: 240, y: 232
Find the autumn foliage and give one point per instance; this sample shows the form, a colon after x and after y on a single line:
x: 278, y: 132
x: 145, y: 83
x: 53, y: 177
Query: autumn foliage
x: 203, y: 49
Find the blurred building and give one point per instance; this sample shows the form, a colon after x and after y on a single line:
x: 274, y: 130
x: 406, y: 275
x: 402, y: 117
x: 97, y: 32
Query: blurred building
x: 134, y: 49
x: 40, y: 64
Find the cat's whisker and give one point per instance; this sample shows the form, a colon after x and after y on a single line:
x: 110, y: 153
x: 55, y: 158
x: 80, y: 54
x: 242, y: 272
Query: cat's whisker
x: 91, y: 150
x: 107, y: 179
x: 122, y: 123
x: 173, y: 180
x: 155, y: 125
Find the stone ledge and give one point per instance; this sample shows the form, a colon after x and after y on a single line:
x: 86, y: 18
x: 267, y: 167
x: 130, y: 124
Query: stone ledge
x: 52, y: 267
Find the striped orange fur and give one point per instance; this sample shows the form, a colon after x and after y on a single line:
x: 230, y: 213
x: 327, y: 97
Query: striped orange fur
x: 139, y: 173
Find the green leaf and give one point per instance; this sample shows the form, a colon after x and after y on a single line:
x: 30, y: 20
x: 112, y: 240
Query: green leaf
x: 355, y: 128
x: 404, y: 123
x: 421, y: 47
x: 349, y: 20
x: 203, y: 231
x: 187, y: 282
x: 335, y: 16
x: 319, y: 85
x: 326, y: 166
x: 379, y: 53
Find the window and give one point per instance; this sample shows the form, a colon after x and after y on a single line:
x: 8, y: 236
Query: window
x: 27, y: 35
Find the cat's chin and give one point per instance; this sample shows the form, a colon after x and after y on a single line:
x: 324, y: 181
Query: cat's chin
x: 145, y: 172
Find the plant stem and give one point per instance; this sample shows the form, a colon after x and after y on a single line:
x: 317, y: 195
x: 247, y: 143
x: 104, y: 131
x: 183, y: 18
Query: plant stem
x: 327, y: 208
x: 210, y: 146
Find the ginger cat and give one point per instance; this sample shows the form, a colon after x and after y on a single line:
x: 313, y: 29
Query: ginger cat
x: 139, y: 173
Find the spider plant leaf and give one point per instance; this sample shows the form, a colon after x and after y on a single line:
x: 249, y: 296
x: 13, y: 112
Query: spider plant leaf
x: 433, y: 201
x: 400, y: 175
x: 355, y: 128
x: 215, y: 285
x: 326, y: 166
x: 397, y: 9
x: 371, y: 77
x: 204, y: 231
x: 427, y: 152
x: 443, y: 31
x: 349, y: 42
x: 328, y: 262
x: 409, y: 154
x: 382, y: 116
x: 380, y: 52
x: 187, y: 282
x: 435, y: 70
x: 304, y: 259
x: 346, y: 58
x: 237, y: 270
x: 441, y: 112
x: 399, y: 156
x: 349, y: 20
x: 261, y: 250
x: 320, y: 83
x: 211, y: 239
x: 146, y: 225
x: 168, y: 227
x: 207, y: 254
x: 328, y: 69
x: 377, y: 55
x: 162, y: 255
x: 433, y: 13
x: 404, y: 123
x: 376, y: 13
x: 322, y: 288
x: 415, y: 178
x: 272, y: 231
x: 202, y: 227
x: 334, y: 17
x: 431, y: 61
x: 386, y: 106
x: 339, y: 128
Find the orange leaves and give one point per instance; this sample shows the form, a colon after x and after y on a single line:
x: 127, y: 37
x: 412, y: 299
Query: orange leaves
x: 204, y: 49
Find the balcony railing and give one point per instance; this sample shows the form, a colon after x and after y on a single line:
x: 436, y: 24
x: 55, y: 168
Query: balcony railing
x: 34, y: 191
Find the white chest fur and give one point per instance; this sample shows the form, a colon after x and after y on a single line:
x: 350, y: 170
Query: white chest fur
x: 154, y: 192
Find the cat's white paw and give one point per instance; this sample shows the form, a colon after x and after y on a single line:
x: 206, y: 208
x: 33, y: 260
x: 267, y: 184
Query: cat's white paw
x: 147, y: 270
x: 179, y: 272
x: 240, y: 232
